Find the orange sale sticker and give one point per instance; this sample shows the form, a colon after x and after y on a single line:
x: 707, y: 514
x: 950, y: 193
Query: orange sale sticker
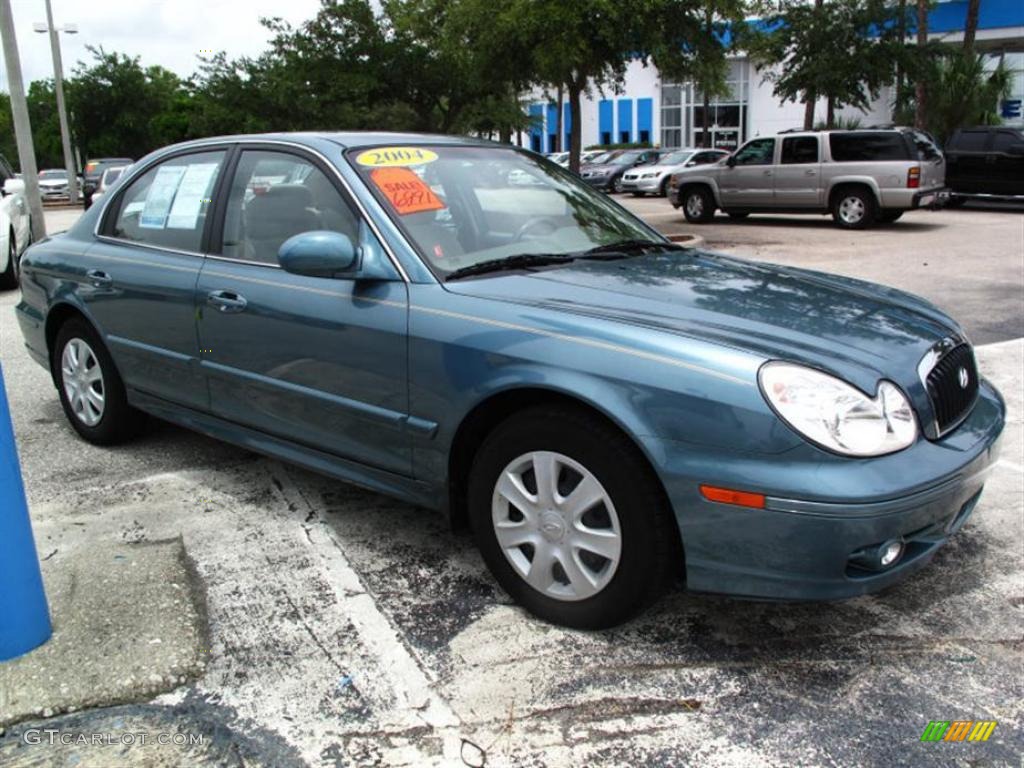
x: 406, y: 191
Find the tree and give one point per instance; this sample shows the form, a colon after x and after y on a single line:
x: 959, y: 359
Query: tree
x: 921, y: 83
x: 963, y: 93
x: 862, y: 40
x: 971, y: 24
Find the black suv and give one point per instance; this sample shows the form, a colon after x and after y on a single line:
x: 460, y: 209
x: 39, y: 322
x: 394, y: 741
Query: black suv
x: 94, y: 172
x: 985, y: 163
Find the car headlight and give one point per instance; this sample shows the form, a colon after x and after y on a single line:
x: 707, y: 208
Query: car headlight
x: 649, y: 175
x: 837, y: 416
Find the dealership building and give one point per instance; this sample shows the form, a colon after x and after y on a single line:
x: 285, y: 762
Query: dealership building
x: 670, y: 114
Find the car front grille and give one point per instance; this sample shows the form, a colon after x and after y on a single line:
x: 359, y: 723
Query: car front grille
x: 952, y: 385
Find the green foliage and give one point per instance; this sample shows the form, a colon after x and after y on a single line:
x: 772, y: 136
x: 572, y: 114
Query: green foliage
x: 840, y: 124
x: 961, y: 92
x: 843, y: 50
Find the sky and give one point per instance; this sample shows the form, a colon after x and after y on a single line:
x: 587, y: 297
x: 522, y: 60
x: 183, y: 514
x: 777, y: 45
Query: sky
x: 170, y: 33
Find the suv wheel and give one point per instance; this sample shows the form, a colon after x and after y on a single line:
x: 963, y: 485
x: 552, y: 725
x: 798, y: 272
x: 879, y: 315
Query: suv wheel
x: 569, y: 518
x: 698, y: 205
x: 854, y: 208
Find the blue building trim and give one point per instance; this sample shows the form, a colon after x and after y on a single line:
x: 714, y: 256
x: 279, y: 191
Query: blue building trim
x: 645, y: 120
x: 567, y: 127
x: 536, y: 113
x: 992, y: 14
x: 606, y: 121
x: 625, y: 121
x: 552, y: 127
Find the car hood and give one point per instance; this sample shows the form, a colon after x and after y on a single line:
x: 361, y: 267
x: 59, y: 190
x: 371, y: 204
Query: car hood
x: 654, y: 168
x: 53, y: 182
x: 858, y: 330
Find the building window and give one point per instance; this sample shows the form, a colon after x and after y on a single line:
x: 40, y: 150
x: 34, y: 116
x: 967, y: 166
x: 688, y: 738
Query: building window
x: 645, y: 137
x: 682, y: 113
x: 606, y: 137
x: 624, y: 137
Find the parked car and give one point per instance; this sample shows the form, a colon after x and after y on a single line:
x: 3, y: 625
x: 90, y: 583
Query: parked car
x: 605, y: 171
x: 860, y: 177
x: 985, y: 163
x: 110, y: 175
x: 562, y: 158
x: 15, y: 224
x: 53, y: 184
x: 94, y: 172
x: 606, y: 409
x: 654, y: 179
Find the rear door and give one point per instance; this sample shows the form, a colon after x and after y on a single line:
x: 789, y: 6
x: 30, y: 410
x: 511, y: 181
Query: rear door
x: 139, y: 279
x: 750, y: 182
x: 798, y: 174
x: 314, y: 360
x: 968, y: 161
x: 1005, y: 163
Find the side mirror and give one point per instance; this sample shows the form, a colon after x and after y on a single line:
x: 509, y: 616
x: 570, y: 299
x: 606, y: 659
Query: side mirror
x: 14, y: 187
x: 320, y: 253
x: 731, y: 161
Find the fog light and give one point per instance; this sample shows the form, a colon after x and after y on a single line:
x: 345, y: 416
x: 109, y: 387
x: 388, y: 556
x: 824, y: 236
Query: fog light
x: 890, y: 553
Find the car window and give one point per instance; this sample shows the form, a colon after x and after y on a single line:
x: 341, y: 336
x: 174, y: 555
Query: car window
x: 971, y: 141
x: 799, y: 149
x: 275, y: 195
x: 463, y: 205
x: 926, y: 148
x: 1003, y: 140
x: 703, y: 158
x: 167, y: 206
x: 864, y: 146
x: 756, y: 152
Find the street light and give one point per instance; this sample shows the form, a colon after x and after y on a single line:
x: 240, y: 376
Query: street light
x: 58, y: 83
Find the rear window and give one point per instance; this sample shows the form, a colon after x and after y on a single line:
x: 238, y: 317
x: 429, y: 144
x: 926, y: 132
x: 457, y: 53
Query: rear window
x: 970, y: 141
x: 926, y: 148
x: 1006, y: 139
x: 862, y: 147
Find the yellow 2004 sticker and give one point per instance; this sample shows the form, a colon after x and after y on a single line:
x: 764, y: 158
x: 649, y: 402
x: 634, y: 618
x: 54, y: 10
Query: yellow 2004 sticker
x: 390, y: 157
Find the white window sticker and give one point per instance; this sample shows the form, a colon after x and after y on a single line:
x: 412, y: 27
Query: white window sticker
x: 160, y: 196
x: 194, y: 190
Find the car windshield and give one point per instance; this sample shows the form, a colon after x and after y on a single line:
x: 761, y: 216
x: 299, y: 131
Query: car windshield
x: 602, y: 158
x: 53, y: 174
x: 463, y: 205
x: 675, y: 158
x: 626, y: 158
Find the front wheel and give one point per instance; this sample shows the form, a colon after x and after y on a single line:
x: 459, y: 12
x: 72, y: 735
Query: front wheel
x: 617, y: 186
x: 9, y: 277
x: 569, y: 518
x: 698, y: 205
x: 854, y: 209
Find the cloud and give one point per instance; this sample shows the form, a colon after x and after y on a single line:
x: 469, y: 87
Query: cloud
x: 170, y: 33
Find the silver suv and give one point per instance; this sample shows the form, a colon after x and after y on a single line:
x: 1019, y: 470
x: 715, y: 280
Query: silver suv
x: 860, y: 177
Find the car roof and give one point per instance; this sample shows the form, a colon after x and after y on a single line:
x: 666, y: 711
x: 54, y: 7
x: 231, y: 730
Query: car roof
x: 352, y: 139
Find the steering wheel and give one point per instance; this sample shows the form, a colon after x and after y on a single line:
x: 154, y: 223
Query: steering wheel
x: 536, y: 222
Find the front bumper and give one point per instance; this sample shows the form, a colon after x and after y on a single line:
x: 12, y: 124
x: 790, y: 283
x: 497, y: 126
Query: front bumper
x: 640, y: 185
x: 821, y: 510
x: 599, y: 182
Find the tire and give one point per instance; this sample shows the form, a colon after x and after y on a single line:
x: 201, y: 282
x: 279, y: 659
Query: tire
x: 888, y: 217
x: 698, y: 205
x: 854, y: 208
x: 616, y: 186
x: 9, y: 277
x: 628, y: 495
x: 663, y: 188
x: 738, y: 215
x: 116, y: 421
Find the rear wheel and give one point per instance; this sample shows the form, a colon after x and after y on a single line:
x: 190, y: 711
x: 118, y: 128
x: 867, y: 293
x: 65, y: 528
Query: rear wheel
x: 854, y: 208
x: 9, y: 277
x: 698, y: 205
x: 569, y: 518
x: 91, y: 391
x: 617, y: 186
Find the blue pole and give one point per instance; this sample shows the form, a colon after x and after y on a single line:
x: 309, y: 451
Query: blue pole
x: 24, y: 616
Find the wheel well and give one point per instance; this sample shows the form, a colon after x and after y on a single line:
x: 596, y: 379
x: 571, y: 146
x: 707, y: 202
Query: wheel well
x: 847, y: 185
x: 55, y: 318
x: 488, y: 414
x: 697, y: 185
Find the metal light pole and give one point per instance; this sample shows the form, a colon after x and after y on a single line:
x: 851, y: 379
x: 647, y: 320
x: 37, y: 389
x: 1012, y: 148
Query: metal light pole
x: 22, y: 127
x: 58, y: 86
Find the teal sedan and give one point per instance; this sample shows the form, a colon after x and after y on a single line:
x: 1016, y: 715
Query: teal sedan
x: 471, y: 328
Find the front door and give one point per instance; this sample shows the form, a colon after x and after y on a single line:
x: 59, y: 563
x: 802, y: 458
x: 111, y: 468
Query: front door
x: 317, y: 361
x: 798, y: 174
x: 749, y: 183
x: 139, y: 278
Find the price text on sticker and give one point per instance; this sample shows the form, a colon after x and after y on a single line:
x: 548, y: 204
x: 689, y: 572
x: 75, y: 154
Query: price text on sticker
x: 391, y: 157
x: 406, y: 191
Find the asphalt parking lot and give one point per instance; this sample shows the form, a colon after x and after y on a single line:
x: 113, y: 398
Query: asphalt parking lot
x: 339, y: 627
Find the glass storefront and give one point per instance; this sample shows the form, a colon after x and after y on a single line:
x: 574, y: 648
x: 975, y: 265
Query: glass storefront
x: 682, y: 113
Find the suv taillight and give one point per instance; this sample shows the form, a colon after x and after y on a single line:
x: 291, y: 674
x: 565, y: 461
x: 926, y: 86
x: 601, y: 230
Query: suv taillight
x: 913, y: 178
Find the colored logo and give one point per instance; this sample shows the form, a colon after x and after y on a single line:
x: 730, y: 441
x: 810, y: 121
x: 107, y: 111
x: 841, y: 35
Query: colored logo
x: 959, y: 730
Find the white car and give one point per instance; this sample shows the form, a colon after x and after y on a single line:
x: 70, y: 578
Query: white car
x: 655, y: 179
x: 15, y: 225
x: 107, y: 180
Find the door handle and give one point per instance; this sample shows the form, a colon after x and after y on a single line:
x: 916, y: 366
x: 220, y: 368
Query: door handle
x: 99, y: 278
x: 810, y: 172
x: 226, y: 301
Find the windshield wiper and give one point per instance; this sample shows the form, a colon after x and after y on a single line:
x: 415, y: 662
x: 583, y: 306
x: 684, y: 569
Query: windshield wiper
x: 626, y: 247
x: 517, y: 261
